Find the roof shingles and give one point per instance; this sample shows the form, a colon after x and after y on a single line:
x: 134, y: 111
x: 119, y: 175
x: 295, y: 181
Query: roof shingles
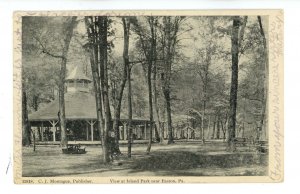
x: 78, y: 105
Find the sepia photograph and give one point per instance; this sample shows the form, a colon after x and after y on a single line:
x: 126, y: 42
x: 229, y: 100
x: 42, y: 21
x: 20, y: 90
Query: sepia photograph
x: 148, y: 96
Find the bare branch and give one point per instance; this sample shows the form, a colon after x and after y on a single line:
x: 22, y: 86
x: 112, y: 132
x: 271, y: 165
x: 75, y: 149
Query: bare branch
x: 44, y: 50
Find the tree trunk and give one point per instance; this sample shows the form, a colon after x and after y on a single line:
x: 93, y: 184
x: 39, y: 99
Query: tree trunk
x: 25, y: 123
x: 93, y: 54
x: 122, y: 86
x: 107, y: 147
x: 266, y: 75
x: 61, y: 97
x: 218, y: 127
x: 214, y: 128
x: 117, y: 113
x: 154, y: 66
x: 151, y: 58
x: 223, y: 130
x: 129, y: 112
x: 99, y: 109
x: 35, y: 102
x: 126, y: 27
x: 169, y: 41
x: 68, y: 33
x: 169, y: 116
x: 150, y: 107
x: 156, y: 109
x: 97, y: 48
x: 224, y: 127
x: 205, y: 83
x: 234, y: 81
x: 208, y: 127
x: 33, y: 139
x: 202, y: 121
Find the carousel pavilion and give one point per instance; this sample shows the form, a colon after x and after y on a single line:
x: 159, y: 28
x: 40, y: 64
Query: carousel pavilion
x: 80, y: 115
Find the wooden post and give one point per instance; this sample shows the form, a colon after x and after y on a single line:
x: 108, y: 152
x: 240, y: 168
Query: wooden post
x: 138, y: 131
x: 243, y: 132
x: 53, y: 132
x: 125, y: 130
x: 141, y: 131
x: 153, y: 131
x: 42, y: 131
x: 208, y: 127
x: 53, y: 123
x: 92, y: 130
x: 145, y: 130
x: 87, y: 132
x: 33, y: 137
x: 91, y: 123
x: 227, y: 131
x: 165, y: 130
x: 120, y: 133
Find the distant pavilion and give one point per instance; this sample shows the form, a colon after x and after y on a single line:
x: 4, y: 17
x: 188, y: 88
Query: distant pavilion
x: 81, y: 115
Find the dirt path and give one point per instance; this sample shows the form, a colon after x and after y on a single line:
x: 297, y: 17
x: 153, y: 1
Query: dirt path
x: 181, y: 159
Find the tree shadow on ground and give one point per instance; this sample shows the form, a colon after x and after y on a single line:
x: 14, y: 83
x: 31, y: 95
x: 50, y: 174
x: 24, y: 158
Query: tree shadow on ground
x: 77, y: 168
x: 182, y: 163
x: 174, y: 160
x: 177, y: 160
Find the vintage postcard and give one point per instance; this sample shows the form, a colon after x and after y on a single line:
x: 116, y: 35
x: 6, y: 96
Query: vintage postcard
x: 148, y: 96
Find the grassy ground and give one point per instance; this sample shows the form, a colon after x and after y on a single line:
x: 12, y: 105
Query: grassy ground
x: 180, y: 159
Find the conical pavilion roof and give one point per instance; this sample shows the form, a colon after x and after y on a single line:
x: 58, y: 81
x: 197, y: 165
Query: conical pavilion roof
x: 77, y: 74
x: 78, y: 106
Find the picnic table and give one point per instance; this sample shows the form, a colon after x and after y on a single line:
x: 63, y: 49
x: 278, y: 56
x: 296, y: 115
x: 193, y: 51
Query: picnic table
x: 73, y: 149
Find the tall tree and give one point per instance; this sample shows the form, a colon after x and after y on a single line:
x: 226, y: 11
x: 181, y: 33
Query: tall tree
x: 39, y: 87
x: 169, y: 41
x: 148, y: 46
x: 126, y: 26
x: 97, y: 29
x: 155, y: 103
x: 204, y: 61
x: 118, y: 96
x: 152, y: 23
x: 68, y: 32
x: 65, y: 37
x: 92, y: 49
x: 25, y: 124
x: 103, y: 33
x: 266, y: 74
x: 129, y: 123
x: 234, y: 78
x: 237, y: 36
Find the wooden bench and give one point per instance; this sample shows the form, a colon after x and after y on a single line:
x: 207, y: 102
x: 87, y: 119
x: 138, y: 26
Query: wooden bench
x: 258, y: 146
x: 262, y: 146
x: 240, y: 141
x: 244, y: 142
